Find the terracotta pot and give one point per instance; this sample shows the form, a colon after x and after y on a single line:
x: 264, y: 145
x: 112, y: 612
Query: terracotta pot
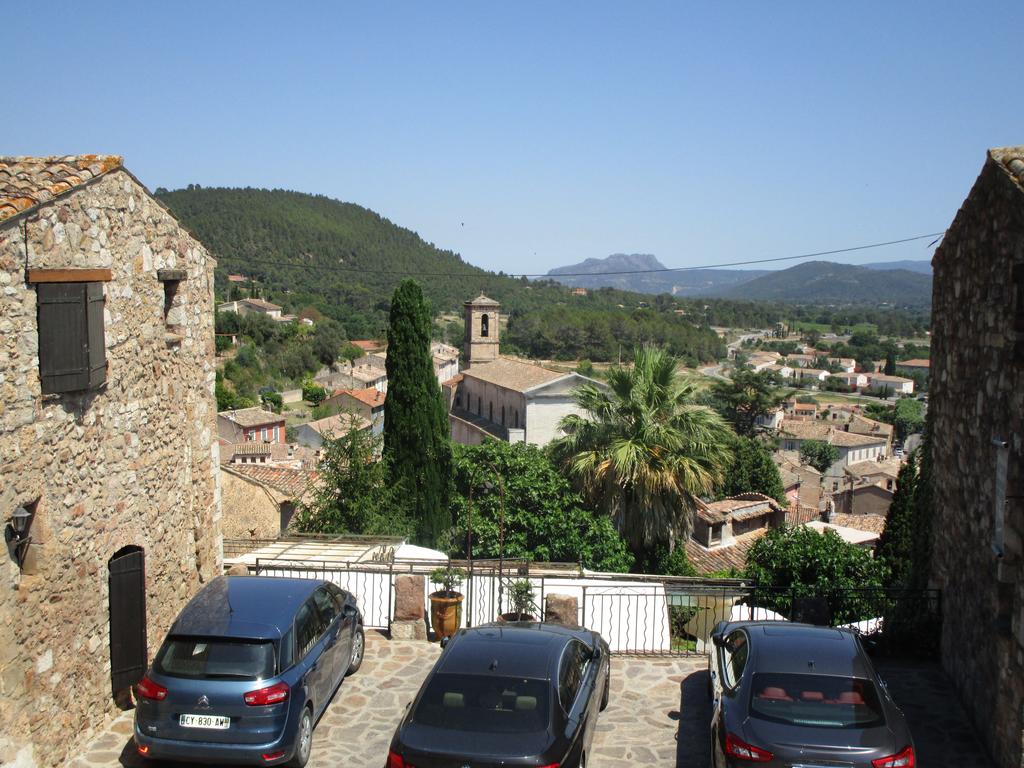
x: 445, y: 613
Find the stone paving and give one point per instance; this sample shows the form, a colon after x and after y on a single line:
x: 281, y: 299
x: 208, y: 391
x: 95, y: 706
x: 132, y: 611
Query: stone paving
x: 658, y: 714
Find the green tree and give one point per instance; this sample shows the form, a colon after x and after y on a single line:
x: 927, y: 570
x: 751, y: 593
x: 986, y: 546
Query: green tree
x: 754, y: 470
x: 416, y: 433
x: 794, y: 562
x: 354, y: 493
x: 819, y: 454
x: 272, y: 400
x: 908, y: 417
x: 643, y: 451
x: 896, y: 544
x: 890, y: 363
x: 747, y: 396
x: 545, y: 518
x: 312, y: 393
x: 923, y: 514
x: 327, y: 341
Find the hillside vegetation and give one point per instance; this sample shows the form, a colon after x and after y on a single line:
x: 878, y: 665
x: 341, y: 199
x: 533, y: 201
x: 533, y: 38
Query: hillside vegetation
x: 827, y: 282
x: 343, y: 260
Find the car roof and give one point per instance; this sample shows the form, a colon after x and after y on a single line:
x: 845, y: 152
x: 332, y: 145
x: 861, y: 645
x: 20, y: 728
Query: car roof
x: 512, y: 649
x: 780, y: 646
x: 256, y: 607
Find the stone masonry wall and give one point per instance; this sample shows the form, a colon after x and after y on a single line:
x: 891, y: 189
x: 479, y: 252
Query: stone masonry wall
x: 977, y: 395
x: 128, y: 464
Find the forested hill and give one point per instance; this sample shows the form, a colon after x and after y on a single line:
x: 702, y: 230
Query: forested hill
x: 824, y: 282
x: 345, y: 261
x: 341, y: 258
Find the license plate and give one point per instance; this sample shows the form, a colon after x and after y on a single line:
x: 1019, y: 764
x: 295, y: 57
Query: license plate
x: 204, y: 721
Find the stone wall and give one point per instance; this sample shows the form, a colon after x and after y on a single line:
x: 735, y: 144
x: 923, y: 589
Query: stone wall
x: 129, y: 464
x: 248, y: 508
x: 977, y: 397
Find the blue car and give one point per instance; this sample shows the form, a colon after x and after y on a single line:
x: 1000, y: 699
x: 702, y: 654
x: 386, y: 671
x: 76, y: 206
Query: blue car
x: 246, y: 670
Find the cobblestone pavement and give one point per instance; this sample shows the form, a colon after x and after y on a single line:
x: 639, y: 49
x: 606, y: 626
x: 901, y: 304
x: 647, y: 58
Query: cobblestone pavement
x: 658, y: 714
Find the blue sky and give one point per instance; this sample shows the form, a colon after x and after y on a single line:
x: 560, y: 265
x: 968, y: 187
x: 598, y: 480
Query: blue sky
x: 529, y: 135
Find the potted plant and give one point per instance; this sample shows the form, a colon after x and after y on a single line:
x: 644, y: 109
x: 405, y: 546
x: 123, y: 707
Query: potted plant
x: 446, y: 603
x: 520, y: 594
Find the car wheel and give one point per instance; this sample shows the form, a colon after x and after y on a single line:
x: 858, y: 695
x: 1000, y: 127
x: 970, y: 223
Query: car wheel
x: 303, y: 740
x: 358, y: 650
x: 607, y: 688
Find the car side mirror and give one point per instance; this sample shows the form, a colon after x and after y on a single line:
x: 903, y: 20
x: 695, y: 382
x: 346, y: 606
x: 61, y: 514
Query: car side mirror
x: 718, y: 639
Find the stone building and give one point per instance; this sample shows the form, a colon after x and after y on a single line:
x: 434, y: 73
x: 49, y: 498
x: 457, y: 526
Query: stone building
x: 977, y: 412
x: 260, y: 501
x: 109, y: 491
x: 497, y: 397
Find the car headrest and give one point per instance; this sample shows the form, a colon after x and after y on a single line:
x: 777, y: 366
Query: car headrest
x: 453, y: 700
x: 526, y: 703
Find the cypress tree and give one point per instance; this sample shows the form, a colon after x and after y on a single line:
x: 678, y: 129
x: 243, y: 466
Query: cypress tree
x: 416, y: 433
x: 896, y: 544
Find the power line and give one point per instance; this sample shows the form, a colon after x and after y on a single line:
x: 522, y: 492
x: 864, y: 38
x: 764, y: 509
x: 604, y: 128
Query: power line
x: 402, y: 273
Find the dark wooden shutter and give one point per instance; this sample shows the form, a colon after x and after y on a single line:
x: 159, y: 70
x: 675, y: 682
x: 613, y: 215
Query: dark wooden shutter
x: 128, y: 657
x: 97, y: 342
x: 72, y: 353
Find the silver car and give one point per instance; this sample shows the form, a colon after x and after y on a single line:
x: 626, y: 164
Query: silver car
x: 795, y: 695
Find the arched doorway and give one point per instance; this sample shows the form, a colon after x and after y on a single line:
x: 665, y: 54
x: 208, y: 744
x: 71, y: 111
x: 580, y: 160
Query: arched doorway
x: 127, y: 585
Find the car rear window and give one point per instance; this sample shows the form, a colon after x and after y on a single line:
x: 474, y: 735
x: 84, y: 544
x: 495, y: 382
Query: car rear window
x: 206, y: 658
x: 821, y: 701
x: 487, y: 704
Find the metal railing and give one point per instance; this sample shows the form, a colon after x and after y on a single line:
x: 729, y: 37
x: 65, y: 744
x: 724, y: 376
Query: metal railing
x: 640, y: 614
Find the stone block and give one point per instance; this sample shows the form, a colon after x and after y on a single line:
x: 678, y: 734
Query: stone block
x: 561, y: 609
x: 409, y: 629
x: 409, y: 591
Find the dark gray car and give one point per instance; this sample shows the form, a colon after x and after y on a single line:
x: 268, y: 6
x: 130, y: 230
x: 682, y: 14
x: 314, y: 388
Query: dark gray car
x: 246, y: 670
x: 788, y: 695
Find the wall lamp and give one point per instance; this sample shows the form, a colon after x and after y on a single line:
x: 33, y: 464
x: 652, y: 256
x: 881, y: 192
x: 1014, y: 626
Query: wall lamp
x: 16, y: 534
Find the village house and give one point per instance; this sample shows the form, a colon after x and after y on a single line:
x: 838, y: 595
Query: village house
x: 107, y: 437
x: 501, y: 398
x: 815, y: 375
x: 855, y: 536
x: 917, y: 365
x: 444, y: 356
x: 976, y: 408
x: 312, y: 434
x: 892, y: 385
x: 862, y: 425
x: 860, y: 498
x: 802, y: 486
x: 804, y: 411
x: 845, y: 364
x: 798, y: 360
x: 259, y: 501
x: 238, y: 426
x: 254, y: 307
x: 725, y: 530
x: 852, y: 447
x: 852, y: 380
x: 367, y: 403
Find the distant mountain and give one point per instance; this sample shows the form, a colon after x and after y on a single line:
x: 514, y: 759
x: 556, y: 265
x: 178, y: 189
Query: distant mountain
x: 826, y: 282
x: 599, y: 273
x: 924, y: 267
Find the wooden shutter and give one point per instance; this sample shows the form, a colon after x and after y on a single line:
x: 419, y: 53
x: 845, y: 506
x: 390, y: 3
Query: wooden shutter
x: 127, y: 619
x: 72, y: 353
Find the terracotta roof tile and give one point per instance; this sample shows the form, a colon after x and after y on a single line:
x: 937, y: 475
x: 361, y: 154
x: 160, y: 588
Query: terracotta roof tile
x: 369, y: 396
x: 294, y: 482
x: 710, y: 560
x: 870, y: 523
x: 251, y: 417
x: 29, y: 181
x: 513, y: 375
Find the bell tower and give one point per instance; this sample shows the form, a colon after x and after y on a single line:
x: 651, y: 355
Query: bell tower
x: 482, y: 330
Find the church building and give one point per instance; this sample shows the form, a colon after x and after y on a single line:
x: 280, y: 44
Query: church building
x: 501, y: 398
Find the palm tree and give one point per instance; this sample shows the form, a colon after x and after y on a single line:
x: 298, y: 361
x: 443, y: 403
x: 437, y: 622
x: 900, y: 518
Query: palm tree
x: 644, y: 451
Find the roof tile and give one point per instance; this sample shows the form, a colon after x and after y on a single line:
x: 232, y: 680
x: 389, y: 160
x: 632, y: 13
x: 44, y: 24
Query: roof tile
x: 29, y: 181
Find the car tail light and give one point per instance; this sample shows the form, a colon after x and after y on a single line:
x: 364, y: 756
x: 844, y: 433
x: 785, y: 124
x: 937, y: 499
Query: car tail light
x: 142, y: 749
x: 743, y: 751
x: 395, y: 760
x: 273, y: 694
x: 902, y: 759
x: 150, y: 690
x: 268, y: 756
